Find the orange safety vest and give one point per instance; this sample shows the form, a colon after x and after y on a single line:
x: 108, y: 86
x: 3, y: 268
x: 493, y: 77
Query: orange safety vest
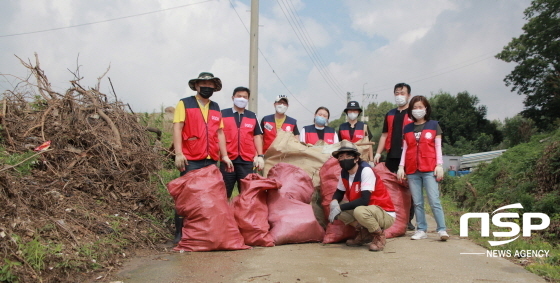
x: 200, y: 138
x: 269, y: 129
x: 312, y: 137
x: 390, y: 118
x: 359, y: 131
x: 380, y: 196
x: 239, y: 140
x: 421, y: 154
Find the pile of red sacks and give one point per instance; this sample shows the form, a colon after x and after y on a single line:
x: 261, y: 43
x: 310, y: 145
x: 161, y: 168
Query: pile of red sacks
x: 269, y: 211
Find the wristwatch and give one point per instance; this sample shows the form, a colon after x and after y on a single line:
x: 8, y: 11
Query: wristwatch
x: 260, y: 155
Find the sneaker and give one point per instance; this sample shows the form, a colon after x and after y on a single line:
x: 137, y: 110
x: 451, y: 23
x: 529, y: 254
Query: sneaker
x: 443, y: 235
x: 419, y: 235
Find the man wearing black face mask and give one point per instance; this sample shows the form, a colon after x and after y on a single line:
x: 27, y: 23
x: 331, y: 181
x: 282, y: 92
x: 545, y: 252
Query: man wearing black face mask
x: 198, y: 138
x: 369, y: 209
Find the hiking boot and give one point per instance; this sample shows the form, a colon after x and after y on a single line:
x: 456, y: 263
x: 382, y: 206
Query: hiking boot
x: 378, y: 242
x: 443, y: 235
x: 410, y: 227
x: 419, y: 235
x: 363, y: 237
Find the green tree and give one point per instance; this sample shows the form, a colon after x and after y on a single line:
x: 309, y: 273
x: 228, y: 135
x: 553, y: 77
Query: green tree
x: 518, y: 130
x: 464, y: 123
x: 537, y: 54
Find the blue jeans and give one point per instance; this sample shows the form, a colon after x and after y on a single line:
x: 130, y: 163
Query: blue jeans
x: 426, y: 180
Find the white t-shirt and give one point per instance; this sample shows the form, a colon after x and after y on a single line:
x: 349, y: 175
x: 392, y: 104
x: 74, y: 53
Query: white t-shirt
x: 367, y: 184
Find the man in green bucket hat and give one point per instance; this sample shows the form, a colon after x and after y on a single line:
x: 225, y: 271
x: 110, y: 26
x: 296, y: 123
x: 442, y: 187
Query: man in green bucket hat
x: 198, y: 136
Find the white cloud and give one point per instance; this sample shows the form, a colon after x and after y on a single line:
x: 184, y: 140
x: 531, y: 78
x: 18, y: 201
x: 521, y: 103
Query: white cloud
x: 427, y: 44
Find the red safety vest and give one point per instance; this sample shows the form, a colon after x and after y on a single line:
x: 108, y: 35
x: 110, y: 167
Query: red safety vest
x: 420, y: 155
x: 200, y: 138
x: 359, y: 131
x: 312, y: 137
x: 390, y: 118
x: 380, y: 196
x: 239, y: 140
x: 268, y: 124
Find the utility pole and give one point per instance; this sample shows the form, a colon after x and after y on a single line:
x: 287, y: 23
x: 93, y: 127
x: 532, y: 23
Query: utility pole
x: 364, y: 117
x: 254, y: 57
x: 348, y: 97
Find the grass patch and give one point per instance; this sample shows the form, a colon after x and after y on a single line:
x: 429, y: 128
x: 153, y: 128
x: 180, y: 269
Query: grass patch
x: 547, y: 267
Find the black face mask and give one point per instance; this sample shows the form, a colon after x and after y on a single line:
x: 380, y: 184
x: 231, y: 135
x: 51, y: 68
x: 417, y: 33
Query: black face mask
x: 347, y: 164
x: 206, y: 92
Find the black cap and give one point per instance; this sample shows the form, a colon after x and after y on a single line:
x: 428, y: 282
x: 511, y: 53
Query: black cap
x: 353, y: 105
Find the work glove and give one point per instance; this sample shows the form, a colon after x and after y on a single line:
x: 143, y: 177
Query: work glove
x: 400, y: 173
x: 181, y: 162
x: 335, y: 210
x: 438, y: 172
x: 376, y: 158
x: 228, y: 163
x: 258, y: 162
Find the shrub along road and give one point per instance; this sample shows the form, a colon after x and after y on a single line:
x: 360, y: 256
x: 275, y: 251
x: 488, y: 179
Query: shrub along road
x: 403, y: 260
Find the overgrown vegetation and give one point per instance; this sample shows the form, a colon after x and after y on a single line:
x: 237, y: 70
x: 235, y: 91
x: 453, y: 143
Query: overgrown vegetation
x: 86, y: 202
x: 528, y: 173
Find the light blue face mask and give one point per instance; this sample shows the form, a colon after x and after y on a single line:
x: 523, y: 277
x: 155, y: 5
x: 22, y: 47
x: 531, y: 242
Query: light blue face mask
x: 320, y: 121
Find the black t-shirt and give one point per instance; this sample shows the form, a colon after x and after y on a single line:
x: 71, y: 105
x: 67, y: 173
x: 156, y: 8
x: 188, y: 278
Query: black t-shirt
x: 320, y: 133
x: 396, y: 135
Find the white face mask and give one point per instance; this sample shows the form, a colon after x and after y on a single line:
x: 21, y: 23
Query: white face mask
x: 281, y: 108
x: 400, y: 100
x: 352, y: 116
x: 419, y: 113
x: 240, y: 102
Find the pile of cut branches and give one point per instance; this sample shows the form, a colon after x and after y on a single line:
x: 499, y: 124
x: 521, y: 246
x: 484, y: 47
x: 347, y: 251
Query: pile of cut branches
x: 91, y: 196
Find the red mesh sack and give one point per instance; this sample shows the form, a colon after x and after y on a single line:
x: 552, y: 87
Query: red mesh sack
x: 400, y: 195
x: 251, y: 211
x: 209, y: 225
x: 337, y: 231
x: 296, y: 183
x: 291, y: 220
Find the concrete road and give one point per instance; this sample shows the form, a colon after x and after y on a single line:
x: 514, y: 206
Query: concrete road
x: 403, y: 260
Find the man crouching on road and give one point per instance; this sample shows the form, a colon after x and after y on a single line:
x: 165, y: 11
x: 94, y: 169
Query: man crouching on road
x: 369, y: 210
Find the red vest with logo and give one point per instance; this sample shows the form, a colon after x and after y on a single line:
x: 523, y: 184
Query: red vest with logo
x: 380, y: 196
x: 268, y: 124
x: 421, y: 154
x: 390, y: 118
x: 200, y: 138
x: 312, y: 137
x: 359, y: 132
x: 239, y: 140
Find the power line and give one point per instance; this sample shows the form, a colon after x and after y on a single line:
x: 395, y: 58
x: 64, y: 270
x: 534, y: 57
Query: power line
x: 306, y: 48
x: 269, y: 65
x: 310, y: 43
x: 422, y: 77
x: 104, y: 21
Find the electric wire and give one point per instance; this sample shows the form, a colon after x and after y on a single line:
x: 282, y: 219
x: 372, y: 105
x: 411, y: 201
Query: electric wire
x: 104, y: 21
x: 306, y: 48
x: 312, y: 46
x: 269, y: 65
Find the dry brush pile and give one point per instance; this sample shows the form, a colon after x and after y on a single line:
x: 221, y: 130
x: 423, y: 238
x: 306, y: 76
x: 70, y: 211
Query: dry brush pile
x: 90, y: 198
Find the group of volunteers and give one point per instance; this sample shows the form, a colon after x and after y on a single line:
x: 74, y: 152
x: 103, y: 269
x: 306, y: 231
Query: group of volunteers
x: 203, y: 135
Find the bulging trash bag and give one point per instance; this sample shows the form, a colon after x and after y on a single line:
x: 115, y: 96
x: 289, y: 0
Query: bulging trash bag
x: 400, y: 195
x: 291, y: 220
x: 251, y: 210
x: 296, y: 183
x: 209, y: 224
x: 337, y: 231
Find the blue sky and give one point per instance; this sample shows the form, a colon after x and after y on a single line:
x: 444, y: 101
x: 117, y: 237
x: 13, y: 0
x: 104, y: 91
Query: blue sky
x: 364, y: 46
